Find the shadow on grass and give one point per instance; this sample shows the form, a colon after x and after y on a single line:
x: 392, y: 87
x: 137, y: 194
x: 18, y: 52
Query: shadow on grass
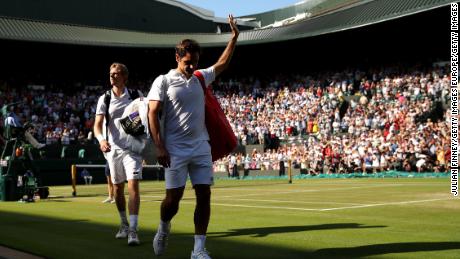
x: 79, y: 237
x: 382, y: 249
x: 263, y: 232
x: 54, y: 197
x: 88, y: 195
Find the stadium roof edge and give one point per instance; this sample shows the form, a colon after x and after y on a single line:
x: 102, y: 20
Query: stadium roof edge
x: 357, y: 15
x: 203, y: 13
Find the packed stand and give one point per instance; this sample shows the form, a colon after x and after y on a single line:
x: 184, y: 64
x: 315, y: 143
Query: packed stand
x: 343, y: 122
x: 59, y: 116
x: 329, y: 123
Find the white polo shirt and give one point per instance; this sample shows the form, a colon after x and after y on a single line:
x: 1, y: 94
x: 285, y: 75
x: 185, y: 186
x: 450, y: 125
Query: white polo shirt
x: 116, y: 109
x: 184, y: 109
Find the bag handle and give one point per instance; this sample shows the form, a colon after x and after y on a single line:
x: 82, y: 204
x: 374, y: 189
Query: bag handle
x: 200, y: 77
x: 107, y: 97
x: 165, y: 85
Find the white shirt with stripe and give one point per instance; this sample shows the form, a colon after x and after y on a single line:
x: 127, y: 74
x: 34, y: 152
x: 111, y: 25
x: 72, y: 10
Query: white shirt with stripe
x: 184, y: 109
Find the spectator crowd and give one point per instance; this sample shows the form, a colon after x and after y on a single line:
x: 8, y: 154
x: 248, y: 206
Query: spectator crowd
x: 351, y: 121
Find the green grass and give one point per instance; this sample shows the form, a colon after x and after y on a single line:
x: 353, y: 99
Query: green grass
x: 314, y: 218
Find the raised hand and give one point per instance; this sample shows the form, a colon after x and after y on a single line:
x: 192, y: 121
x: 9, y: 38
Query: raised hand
x: 233, y: 26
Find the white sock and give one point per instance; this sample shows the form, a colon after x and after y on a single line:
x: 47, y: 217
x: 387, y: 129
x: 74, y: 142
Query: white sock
x: 124, y: 220
x: 164, y: 227
x: 133, y: 222
x: 199, y: 243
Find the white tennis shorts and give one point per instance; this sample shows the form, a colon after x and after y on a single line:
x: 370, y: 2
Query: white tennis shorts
x: 124, y: 165
x: 197, y: 165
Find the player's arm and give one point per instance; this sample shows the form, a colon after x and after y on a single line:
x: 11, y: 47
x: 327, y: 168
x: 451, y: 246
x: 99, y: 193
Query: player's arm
x: 154, y: 127
x: 226, y: 56
x: 103, y: 143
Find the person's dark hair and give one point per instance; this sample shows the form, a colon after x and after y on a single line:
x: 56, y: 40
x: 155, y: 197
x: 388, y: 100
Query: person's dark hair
x: 187, y: 45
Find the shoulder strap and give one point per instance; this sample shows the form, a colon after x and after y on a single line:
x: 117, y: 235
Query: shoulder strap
x: 164, y: 90
x: 133, y: 94
x: 107, y: 97
x: 162, y: 116
x: 200, y: 77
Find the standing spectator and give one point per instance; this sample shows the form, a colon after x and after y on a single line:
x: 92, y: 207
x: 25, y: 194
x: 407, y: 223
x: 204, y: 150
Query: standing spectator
x: 233, y: 166
x: 281, y: 161
x: 247, y: 164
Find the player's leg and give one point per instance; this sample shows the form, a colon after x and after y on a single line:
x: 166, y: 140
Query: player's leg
x: 118, y: 177
x: 201, y: 177
x: 133, y: 167
x: 175, y: 179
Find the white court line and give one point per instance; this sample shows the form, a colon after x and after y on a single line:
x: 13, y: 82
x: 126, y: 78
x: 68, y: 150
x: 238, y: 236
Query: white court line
x: 306, y: 209
x: 287, y: 192
x: 243, y: 187
x: 284, y: 201
x: 91, y: 199
x: 385, y: 204
x: 294, y: 191
x: 253, y: 189
x: 275, y: 201
x: 247, y: 206
x: 359, y: 184
x: 315, y: 190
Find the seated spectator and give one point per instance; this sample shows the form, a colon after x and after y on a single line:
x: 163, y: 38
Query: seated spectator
x: 86, y: 176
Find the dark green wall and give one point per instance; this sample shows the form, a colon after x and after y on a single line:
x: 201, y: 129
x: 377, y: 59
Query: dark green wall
x: 137, y: 15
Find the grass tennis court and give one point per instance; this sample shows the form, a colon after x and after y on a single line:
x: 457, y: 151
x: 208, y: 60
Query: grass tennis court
x: 314, y: 218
